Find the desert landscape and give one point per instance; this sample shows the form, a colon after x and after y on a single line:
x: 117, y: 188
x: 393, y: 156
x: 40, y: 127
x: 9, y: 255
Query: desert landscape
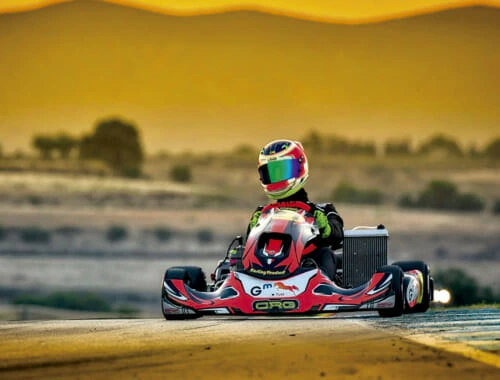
x: 130, y: 134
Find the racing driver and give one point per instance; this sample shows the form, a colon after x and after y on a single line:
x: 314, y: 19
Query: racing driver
x: 283, y: 170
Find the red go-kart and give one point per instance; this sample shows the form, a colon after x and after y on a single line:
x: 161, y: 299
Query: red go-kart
x: 272, y: 275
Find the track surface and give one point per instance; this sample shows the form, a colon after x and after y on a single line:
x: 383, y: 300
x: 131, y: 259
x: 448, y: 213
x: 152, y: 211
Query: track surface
x: 344, y: 346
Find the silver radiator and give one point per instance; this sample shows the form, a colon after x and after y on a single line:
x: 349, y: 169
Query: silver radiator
x: 364, y: 251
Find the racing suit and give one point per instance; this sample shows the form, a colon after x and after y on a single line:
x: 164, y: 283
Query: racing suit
x: 323, y: 256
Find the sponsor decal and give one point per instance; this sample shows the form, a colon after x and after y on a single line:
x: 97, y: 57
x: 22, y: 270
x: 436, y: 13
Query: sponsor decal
x: 291, y: 287
x: 412, y: 292
x: 281, y: 286
x: 267, y: 272
x: 275, y: 305
x: 257, y: 290
x: 278, y: 289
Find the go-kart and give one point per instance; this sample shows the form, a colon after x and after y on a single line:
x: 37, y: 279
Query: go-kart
x: 271, y: 274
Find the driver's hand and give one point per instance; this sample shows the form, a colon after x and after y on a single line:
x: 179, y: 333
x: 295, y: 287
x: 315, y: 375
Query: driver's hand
x: 323, y: 225
x: 255, y: 218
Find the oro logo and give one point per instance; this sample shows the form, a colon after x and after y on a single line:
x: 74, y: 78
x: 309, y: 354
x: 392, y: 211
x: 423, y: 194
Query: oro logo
x: 275, y: 305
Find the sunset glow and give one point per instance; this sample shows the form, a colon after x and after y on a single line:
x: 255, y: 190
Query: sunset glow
x: 337, y: 11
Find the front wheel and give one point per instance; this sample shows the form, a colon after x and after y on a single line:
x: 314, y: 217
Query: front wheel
x: 397, y: 287
x: 191, y: 276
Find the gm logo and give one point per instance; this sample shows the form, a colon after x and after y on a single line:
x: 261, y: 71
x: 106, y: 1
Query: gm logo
x: 275, y: 306
x: 256, y: 290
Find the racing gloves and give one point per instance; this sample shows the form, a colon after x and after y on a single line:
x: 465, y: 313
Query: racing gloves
x: 323, y: 225
x: 255, y: 218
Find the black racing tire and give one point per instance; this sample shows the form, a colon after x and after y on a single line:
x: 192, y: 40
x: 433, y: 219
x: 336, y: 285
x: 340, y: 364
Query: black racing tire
x: 397, y: 287
x: 194, y: 277
x: 197, y: 278
x: 428, y: 283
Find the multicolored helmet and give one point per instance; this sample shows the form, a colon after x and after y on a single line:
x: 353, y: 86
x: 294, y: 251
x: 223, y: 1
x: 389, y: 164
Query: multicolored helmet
x: 283, y: 168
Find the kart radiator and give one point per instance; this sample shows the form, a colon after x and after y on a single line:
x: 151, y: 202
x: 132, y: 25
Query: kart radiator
x: 364, y: 251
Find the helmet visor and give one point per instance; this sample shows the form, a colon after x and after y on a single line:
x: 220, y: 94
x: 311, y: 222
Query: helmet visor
x: 280, y: 170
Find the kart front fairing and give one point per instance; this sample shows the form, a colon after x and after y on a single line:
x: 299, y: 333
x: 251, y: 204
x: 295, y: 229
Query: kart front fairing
x: 277, y: 244
x: 309, y: 291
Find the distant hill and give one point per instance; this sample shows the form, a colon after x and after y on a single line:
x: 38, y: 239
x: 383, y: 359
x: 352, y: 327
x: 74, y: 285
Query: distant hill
x: 210, y: 82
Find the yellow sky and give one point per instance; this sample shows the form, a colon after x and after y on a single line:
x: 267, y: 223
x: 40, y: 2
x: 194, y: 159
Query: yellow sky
x: 246, y: 76
x: 340, y: 11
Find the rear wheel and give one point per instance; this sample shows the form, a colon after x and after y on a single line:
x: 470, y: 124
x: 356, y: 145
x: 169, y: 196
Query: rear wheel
x: 428, y: 283
x: 192, y: 277
x: 397, y: 287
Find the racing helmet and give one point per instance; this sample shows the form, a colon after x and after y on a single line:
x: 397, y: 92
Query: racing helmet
x: 283, y: 168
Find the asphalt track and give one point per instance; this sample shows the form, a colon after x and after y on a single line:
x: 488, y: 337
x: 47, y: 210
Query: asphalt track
x: 344, y: 346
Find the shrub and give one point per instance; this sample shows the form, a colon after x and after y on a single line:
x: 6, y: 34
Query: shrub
x: 469, y: 202
x: 68, y: 230
x: 131, y: 172
x: 163, y: 234
x: 116, y: 233
x: 464, y: 289
x: 406, y: 201
x: 127, y: 310
x: 346, y: 192
x: 438, y: 195
x: 66, y: 300
x: 205, y: 236
x: 496, y: 207
x: 181, y: 173
x: 34, y: 235
x: 443, y: 195
x: 35, y: 200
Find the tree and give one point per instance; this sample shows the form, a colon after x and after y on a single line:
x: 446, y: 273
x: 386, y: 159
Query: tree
x: 117, y: 143
x: 64, y: 143
x: 337, y: 145
x: 313, y: 142
x: 362, y: 148
x: 441, y: 143
x: 397, y: 147
x: 492, y: 150
x: 45, y: 145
